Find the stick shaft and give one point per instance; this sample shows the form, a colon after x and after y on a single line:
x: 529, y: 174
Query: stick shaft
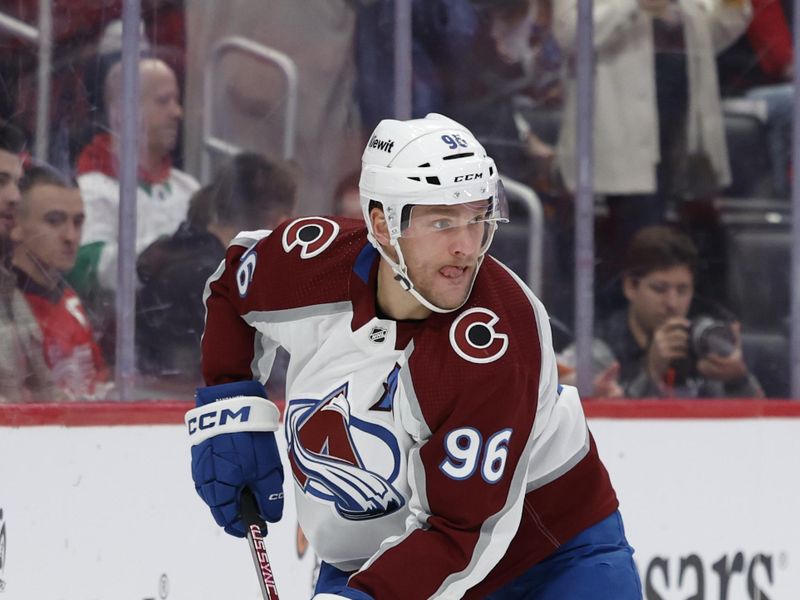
x: 256, y: 528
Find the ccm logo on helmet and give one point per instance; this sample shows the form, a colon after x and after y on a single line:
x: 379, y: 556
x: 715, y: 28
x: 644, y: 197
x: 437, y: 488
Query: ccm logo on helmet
x: 385, y: 145
x: 312, y: 234
x: 474, y: 338
x: 470, y: 177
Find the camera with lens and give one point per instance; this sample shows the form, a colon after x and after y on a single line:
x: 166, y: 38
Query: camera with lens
x: 710, y: 336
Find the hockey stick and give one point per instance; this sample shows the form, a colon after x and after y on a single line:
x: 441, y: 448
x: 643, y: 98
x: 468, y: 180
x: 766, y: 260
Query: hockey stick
x: 256, y: 530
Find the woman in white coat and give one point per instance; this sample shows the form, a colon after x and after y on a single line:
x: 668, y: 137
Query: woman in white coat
x: 656, y: 92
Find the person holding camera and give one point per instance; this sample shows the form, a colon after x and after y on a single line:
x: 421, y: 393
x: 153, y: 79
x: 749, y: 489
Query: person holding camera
x: 661, y: 350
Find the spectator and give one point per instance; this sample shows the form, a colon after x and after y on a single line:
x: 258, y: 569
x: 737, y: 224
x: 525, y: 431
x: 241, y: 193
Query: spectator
x: 771, y: 38
x: 605, y: 368
x: 75, y: 27
x: 660, y: 350
x: 442, y: 72
x: 108, y: 53
x: 473, y: 59
x: 161, y: 35
x: 517, y: 74
x: 249, y: 192
x: 85, y: 34
x: 23, y: 373
x: 164, y: 191
x: 47, y: 236
x: 764, y: 55
x: 658, y: 134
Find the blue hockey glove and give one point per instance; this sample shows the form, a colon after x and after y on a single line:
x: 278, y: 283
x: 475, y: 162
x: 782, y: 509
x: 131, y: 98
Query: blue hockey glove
x: 233, y: 446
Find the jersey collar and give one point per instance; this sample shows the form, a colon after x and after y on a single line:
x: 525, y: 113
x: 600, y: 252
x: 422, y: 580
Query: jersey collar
x: 29, y: 286
x: 363, y: 294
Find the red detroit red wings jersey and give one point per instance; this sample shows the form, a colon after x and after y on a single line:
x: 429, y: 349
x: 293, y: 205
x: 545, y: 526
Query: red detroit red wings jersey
x: 70, y: 349
x: 442, y: 448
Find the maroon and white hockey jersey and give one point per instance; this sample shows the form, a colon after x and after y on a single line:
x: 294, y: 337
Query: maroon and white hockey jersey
x: 437, y: 458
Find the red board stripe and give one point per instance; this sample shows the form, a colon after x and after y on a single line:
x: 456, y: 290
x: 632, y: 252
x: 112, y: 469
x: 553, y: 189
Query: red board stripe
x: 79, y: 414
x: 160, y: 412
x: 93, y: 414
x: 658, y: 408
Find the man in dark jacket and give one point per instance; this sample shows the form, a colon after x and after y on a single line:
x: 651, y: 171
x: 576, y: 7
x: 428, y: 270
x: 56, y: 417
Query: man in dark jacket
x: 249, y: 192
x: 662, y: 348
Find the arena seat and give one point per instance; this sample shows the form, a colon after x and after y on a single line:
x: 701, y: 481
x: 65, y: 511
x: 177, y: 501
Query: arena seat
x: 749, y: 156
x: 758, y: 261
x: 758, y: 270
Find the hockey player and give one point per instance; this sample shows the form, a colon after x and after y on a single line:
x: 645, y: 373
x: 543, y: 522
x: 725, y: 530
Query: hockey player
x: 432, y: 452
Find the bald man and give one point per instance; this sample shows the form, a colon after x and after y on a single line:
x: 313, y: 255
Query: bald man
x: 163, y: 192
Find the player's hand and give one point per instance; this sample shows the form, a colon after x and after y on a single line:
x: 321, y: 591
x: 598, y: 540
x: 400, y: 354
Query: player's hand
x: 725, y: 368
x: 233, y: 446
x: 606, y: 383
x: 670, y: 342
x: 536, y: 147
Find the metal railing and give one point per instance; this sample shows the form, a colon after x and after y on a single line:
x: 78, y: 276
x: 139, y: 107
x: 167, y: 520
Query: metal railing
x: 265, y: 54
x: 535, y: 228
x: 43, y: 38
x: 125, y: 300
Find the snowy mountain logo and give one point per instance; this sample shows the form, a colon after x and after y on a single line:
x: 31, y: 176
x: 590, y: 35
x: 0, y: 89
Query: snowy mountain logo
x: 339, y: 458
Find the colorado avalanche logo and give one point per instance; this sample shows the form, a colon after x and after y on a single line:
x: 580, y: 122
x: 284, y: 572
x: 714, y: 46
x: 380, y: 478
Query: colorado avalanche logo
x: 474, y: 338
x: 342, y: 459
x: 312, y: 234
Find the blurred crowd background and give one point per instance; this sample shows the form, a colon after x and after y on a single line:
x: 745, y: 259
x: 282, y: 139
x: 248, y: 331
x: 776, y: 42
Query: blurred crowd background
x: 251, y: 112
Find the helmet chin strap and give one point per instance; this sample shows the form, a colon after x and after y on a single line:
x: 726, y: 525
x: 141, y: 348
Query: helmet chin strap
x: 401, y: 275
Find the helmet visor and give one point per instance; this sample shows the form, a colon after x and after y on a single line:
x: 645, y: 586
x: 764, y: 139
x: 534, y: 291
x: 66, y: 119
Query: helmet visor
x: 479, y: 218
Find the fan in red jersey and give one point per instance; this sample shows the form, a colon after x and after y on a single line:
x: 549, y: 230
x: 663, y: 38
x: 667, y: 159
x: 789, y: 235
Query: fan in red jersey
x: 47, y: 235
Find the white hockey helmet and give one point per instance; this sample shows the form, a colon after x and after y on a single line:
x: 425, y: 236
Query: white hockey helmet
x: 428, y: 162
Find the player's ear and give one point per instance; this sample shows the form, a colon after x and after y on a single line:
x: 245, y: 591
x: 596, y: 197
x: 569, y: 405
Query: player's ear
x: 379, y: 226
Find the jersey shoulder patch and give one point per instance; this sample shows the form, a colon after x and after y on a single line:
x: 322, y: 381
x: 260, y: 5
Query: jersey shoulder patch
x: 476, y: 337
x: 304, y: 261
x: 312, y: 235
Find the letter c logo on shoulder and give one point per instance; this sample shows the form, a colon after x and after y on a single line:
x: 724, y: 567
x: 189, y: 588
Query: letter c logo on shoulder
x: 312, y: 234
x: 474, y: 338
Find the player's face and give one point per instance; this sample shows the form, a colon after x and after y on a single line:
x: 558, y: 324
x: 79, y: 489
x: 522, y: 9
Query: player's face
x: 160, y: 108
x: 441, y: 247
x: 50, y: 226
x: 10, y: 172
x: 660, y: 295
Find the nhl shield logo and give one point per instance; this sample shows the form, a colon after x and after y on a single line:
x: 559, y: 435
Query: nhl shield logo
x: 378, y: 334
